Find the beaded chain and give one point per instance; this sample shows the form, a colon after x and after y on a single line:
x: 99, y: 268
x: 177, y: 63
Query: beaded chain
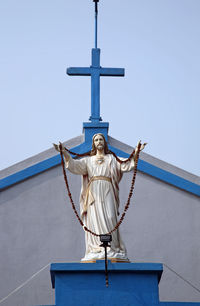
x: 109, y: 152
x: 129, y: 196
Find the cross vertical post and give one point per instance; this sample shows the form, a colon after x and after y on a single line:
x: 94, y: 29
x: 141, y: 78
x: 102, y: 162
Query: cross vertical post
x: 95, y: 71
x: 96, y: 15
x: 95, y: 86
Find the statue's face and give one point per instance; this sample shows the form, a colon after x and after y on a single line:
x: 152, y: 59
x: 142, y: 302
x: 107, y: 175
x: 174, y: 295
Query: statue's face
x: 99, y: 142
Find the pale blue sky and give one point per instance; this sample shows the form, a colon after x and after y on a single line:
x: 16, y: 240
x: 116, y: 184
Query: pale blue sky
x: 158, y: 100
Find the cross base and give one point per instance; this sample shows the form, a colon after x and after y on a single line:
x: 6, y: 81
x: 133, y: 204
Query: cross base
x: 91, y: 128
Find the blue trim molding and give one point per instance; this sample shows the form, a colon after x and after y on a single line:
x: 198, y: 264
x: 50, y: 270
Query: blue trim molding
x: 139, y: 268
x: 89, y: 129
x: 179, y: 304
x: 29, y: 172
x: 143, y: 166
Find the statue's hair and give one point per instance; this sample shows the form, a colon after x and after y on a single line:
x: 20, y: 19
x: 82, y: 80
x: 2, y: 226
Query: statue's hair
x: 94, y: 149
x: 106, y: 151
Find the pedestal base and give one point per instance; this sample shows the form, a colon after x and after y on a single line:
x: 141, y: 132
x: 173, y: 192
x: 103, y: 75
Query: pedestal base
x: 84, y: 284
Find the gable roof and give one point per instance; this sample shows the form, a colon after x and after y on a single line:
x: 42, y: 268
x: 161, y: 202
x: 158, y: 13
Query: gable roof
x: 147, y: 164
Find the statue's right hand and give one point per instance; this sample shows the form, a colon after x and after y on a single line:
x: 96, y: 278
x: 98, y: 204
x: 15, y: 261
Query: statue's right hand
x: 60, y: 147
x: 57, y: 147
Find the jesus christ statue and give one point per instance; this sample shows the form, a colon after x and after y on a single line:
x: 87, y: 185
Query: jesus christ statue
x: 99, y: 198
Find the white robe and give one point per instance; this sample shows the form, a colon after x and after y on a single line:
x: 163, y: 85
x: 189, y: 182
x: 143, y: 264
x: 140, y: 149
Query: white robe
x: 102, y: 202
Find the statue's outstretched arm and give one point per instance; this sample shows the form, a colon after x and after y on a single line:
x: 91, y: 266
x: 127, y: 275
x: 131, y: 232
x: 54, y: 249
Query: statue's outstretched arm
x: 142, y: 146
x: 61, y: 147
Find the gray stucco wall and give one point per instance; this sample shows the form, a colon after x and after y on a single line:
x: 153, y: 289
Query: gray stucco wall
x: 37, y: 227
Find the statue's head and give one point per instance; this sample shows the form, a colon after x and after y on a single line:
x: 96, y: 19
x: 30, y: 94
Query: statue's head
x: 98, y: 140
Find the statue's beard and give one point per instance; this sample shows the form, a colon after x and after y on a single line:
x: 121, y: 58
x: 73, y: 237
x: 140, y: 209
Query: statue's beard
x: 100, y: 147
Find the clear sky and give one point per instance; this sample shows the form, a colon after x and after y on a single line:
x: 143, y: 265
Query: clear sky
x: 158, y: 100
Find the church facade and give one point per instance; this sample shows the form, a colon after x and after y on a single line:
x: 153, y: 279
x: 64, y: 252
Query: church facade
x: 38, y: 226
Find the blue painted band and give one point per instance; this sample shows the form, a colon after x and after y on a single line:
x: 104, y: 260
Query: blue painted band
x: 29, y: 172
x: 143, y: 166
x: 162, y: 175
x: 100, y: 266
x: 179, y: 304
x: 168, y: 177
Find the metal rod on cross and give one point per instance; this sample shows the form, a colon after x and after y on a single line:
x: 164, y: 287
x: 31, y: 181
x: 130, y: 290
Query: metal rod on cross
x: 96, y: 16
x: 95, y: 71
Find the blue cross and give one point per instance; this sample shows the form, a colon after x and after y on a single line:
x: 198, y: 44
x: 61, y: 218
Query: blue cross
x: 95, y: 71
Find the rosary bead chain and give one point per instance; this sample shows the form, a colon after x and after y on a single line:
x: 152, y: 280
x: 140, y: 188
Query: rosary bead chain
x: 129, y: 196
x: 88, y: 154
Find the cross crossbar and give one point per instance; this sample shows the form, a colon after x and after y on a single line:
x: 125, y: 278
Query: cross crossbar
x: 88, y: 71
x: 95, y: 71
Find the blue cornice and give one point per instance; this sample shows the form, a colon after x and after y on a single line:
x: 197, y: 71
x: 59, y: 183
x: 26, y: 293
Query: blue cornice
x: 143, y: 166
x: 77, y: 267
x: 179, y: 304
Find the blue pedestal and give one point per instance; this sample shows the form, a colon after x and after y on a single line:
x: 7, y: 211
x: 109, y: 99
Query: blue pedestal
x: 84, y: 284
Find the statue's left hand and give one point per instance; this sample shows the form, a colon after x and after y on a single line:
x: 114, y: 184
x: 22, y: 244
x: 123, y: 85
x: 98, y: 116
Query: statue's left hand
x: 57, y: 147
x: 141, y: 145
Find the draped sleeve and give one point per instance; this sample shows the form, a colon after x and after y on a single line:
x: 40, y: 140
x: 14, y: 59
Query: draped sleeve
x: 128, y: 166
x: 76, y: 166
